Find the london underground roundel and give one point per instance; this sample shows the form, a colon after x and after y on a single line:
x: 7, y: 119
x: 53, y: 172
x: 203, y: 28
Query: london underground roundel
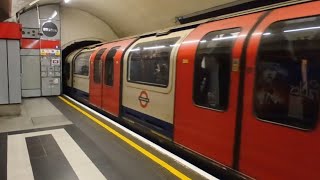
x: 144, y: 99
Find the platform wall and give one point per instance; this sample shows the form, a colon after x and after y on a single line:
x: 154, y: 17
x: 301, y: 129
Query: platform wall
x: 78, y: 25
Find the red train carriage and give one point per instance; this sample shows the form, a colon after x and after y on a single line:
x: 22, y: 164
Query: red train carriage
x: 208, y: 87
x: 280, y: 126
x: 240, y: 92
x: 105, y: 65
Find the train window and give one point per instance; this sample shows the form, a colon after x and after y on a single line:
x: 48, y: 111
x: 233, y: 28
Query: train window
x: 81, y: 64
x: 288, y: 73
x: 109, y: 67
x: 213, y: 68
x: 149, y: 62
x: 97, y: 66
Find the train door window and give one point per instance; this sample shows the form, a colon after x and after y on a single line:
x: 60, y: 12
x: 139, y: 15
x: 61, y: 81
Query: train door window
x: 109, y: 66
x: 149, y: 62
x: 287, y: 73
x: 213, y: 68
x: 97, y: 66
x: 81, y: 64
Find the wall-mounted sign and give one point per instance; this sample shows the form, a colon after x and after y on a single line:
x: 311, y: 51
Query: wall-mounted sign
x: 50, y: 52
x: 50, y: 29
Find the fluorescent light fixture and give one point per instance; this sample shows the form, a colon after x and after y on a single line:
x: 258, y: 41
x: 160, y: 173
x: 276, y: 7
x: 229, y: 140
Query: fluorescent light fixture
x: 154, y: 47
x: 54, y: 14
x: 190, y: 42
x: 229, y: 37
x: 174, y: 45
x: 136, y: 49
x: 224, y: 38
x: 302, y: 29
x: 67, y: 1
x: 33, y: 2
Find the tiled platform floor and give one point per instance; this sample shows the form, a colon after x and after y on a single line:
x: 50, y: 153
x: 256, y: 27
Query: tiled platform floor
x: 82, y: 150
x: 35, y: 113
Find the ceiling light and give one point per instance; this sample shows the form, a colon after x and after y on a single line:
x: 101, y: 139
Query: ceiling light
x: 33, y: 2
x: 55, y: 13
x: 66, y: 1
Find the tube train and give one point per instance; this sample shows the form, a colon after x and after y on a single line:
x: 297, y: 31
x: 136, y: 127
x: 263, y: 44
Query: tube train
x: 238, y: 91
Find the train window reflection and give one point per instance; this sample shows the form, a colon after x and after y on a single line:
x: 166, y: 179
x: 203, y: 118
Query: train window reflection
x: 81, y: 64
x: 149, y: 62
x: 109, y: 67
x: 97, y: 66
x: 212, y: 69
x: 287, y: 73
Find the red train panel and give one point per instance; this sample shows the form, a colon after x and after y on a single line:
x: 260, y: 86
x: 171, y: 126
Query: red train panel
x: 37, y: 44
x: 10, y: 30
x: 95, y: 85
x: 50, y: 44
x: 205, y: 130
x: 106, y: 93
x: 30, y: 43
x: 270, y: 150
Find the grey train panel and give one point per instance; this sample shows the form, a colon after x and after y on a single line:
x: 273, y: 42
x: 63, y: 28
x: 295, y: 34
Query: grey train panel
x: 49, y: 12
x: 30, y: 72
x: 56, y: 88
x: 51, y: 86
x: 46, y: 87
x: 31, y: 93
x: 14, y: 71
x: 3, y: 73
x: 31, y: 33
x: 29, y: 19
x: 30, y: 52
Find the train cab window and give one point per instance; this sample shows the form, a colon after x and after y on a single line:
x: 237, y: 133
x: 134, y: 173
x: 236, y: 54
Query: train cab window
x: 149, y: 62
x: 213, y: 68
x: 97, y: 66
x: 288, y: 73
x: 81, y: 64
x: 109, y: 66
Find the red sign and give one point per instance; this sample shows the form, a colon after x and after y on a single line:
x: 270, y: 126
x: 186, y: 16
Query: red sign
x: 144, y: 99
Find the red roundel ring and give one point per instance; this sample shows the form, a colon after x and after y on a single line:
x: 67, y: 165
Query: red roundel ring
x: 144, y: 99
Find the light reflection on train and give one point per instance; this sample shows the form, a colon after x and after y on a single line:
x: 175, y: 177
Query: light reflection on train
x: 242, y: 92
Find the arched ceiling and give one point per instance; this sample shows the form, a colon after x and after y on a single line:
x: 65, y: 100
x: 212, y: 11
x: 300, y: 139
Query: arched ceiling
x: 130, y: 17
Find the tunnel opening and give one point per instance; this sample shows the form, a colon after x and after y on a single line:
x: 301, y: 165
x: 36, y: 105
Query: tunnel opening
x: 77, y: 45
x: 65, y: 53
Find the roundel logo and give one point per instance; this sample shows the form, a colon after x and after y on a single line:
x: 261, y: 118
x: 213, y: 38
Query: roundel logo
x: 144, y: 99
x: 49, y: 29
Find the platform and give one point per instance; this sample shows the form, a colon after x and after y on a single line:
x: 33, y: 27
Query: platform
x: 52, y: 140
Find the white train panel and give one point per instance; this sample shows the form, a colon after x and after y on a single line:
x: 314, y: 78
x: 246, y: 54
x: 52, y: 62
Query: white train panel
x: 149, y: 75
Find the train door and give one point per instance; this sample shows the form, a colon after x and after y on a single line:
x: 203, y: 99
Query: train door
x: 96, y: 77
x: 149, y: 81
x: 207, y: 87
x: 280, y: 128
x: 112, y: 75
x: 81, y: 72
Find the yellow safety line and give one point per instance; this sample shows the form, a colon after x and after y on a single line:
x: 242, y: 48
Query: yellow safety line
x: 131, y: 143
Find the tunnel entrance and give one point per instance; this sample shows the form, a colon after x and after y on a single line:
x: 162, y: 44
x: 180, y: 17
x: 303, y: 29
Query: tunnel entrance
x: 76, y: 45
x: 68, y: 50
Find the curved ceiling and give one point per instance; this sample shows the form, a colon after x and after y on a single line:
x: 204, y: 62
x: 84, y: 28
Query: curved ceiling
x: 130, y: 17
